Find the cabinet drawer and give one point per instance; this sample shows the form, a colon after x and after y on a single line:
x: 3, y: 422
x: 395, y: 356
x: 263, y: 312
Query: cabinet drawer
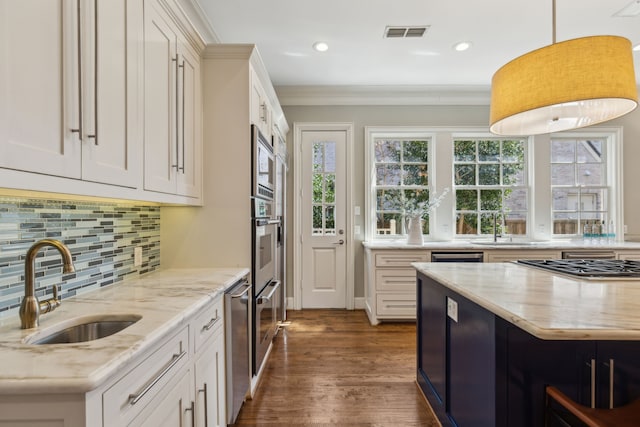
x: 396, y: 305
x: 400, y: 259
x: 207, y: 322
x: 507, y: 256
x: 129, y: 396
x: 396, y: 279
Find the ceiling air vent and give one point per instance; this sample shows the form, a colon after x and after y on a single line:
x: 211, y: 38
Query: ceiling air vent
x: 405, y: 32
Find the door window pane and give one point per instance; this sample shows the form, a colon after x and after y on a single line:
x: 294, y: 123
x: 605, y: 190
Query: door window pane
x: 324, y: 188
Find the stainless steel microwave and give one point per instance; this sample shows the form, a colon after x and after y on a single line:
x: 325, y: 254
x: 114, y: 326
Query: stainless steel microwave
x: 263, y: 161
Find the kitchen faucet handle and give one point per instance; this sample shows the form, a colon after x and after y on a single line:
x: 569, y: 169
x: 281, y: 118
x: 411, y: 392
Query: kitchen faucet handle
x: 50, y: 304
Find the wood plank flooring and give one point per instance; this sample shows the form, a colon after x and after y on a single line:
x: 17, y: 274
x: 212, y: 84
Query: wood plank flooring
x: 332, y: 368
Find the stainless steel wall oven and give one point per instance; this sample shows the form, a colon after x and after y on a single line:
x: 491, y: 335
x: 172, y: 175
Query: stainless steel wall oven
x: 266, y: 289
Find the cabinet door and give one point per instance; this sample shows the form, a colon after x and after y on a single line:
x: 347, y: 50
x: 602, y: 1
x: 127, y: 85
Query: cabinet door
x: 210, y: 384
x: 111, y: 66
x: 534, y: 364
x: 175, y: 409
x: 260, y: 107
x: 39, y: 87
x: 471, y: 344
x: 506, y: 256
x: 618, y: 372
x: 432, y: 334
x: 160, y: 130
x: 189, y: 176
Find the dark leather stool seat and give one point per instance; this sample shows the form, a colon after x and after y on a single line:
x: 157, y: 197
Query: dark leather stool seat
x: 623, y: 416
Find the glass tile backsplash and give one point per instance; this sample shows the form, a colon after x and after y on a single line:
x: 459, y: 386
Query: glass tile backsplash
x: 101, y: 236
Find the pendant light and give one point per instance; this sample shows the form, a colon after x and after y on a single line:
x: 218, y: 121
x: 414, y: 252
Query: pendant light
x: 566, y: 85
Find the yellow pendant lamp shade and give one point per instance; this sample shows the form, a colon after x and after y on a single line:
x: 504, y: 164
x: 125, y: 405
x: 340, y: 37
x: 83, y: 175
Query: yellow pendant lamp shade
x: 566, y: 85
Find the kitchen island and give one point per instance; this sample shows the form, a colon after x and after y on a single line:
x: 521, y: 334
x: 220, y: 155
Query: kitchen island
x: 492, y: 336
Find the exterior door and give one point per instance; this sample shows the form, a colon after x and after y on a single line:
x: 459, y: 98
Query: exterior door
x: 323, y: 220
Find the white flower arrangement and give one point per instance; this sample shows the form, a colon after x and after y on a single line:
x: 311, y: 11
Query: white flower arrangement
x: 412, y: 208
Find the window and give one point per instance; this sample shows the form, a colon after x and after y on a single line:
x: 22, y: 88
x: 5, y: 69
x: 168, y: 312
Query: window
x: 489, y: 179
x: 539, y: 188
x: 578, y: 184
x: 401, y: 169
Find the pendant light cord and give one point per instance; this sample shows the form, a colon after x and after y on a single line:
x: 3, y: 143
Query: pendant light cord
x: 553, y: 34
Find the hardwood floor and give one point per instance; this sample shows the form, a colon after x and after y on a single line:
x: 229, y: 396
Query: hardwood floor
x: 332, y: 368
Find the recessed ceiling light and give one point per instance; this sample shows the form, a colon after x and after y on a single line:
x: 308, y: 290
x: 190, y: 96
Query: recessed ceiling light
x: 321, y: 46
x: 462, y: 46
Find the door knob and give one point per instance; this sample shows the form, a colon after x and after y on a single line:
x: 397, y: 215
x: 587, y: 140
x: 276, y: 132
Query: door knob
x: 339, y: 242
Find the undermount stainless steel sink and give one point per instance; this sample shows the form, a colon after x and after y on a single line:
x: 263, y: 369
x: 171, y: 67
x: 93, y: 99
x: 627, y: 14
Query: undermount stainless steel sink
x: 83, y: 329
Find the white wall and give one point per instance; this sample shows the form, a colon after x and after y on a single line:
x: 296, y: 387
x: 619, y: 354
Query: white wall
x: 383, y: 115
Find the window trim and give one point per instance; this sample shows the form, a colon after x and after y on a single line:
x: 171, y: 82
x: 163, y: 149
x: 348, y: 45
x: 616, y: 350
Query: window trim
x: 613, y: 171
x: 479, y: 136
x: 537, y: 159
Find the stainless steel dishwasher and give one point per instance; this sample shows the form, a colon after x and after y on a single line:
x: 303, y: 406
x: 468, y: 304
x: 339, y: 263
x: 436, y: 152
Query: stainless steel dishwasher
x: 457, y: 257
x: 236, y: 310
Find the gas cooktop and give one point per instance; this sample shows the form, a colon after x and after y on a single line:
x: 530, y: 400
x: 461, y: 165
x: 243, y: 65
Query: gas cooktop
x: 614, y: 269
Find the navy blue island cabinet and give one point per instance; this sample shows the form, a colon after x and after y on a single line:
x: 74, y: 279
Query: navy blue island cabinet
x: 478, y: 370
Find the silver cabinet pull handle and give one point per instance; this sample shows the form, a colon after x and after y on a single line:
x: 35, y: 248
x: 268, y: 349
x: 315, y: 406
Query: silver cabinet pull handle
x: 135, y: 398
x: 212, y: 322
x: 95, y: 74
x: 177, y: 102
x: 593, y: 383
x: 611, y: 382
x: 192, y: 408
x: 181, y: 168
x: 206, y: 409
x: 79, y: 129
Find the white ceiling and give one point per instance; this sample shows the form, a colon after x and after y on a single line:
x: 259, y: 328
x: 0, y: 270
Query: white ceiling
x: 500, y: 30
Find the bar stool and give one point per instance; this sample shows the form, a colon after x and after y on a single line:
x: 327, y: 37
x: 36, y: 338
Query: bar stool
x: 622, y: 416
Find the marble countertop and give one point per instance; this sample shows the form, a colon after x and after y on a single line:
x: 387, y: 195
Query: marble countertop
x: 548, y: 306
x: 165, y: 299
x: 503, y: 245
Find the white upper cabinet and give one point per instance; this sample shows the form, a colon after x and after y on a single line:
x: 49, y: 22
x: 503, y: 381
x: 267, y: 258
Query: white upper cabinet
x: 189, y: 123
x: 69, y: 93
x: 172, y: 108
x: 39, y: 87
x: 261, y: 109
x: 112, y: 134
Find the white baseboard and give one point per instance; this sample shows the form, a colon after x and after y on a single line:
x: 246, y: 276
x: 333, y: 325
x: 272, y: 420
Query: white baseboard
x: 359, y: 303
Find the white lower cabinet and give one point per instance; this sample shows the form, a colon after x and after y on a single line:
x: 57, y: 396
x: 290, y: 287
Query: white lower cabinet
x: 209, y: 366
x: 179, y: 382
x: 390, y: 283
x: 210, y: 384
x: 628, y: 255
x: 141, y: 387
x: 173, y: 408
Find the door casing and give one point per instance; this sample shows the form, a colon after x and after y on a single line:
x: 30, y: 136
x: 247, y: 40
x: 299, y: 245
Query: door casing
x: 298, y: 129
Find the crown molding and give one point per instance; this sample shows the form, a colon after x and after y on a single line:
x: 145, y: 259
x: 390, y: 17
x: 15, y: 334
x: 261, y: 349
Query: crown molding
x: 199, y: 20
x: 384, y: 95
